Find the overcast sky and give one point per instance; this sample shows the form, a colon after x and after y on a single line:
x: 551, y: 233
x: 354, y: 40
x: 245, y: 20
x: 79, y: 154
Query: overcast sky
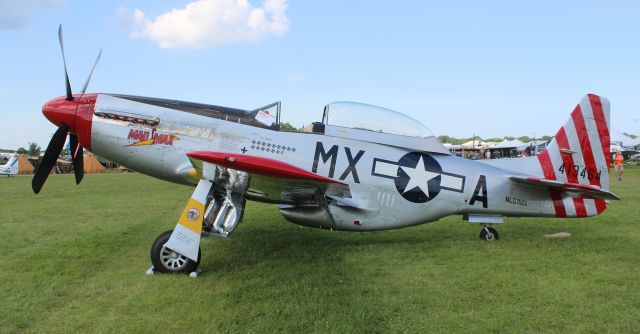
x: 493, y: 68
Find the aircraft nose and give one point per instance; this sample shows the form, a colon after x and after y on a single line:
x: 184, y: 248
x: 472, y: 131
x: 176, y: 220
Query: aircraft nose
x: 59, y: 111
x: 76, y: 114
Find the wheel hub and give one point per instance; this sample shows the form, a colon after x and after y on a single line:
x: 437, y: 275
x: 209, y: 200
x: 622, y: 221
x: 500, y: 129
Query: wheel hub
x: 490, y: 235
x: 172, y: 260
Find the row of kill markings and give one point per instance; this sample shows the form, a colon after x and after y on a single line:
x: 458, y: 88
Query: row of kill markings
x: 269, y: 147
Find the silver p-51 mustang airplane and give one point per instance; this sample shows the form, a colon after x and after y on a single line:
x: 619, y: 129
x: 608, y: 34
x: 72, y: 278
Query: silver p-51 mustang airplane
x: 363, y: 168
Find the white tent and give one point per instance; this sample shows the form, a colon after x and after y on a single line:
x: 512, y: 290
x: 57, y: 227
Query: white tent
x: 541, y: 145
x: 621, y: 139
x: 509, y: 144
x: 450, y: 146
x: 477, y: 144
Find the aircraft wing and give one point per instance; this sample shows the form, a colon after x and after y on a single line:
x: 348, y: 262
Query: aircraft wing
x: 574, y: 189
x: 275, y: 181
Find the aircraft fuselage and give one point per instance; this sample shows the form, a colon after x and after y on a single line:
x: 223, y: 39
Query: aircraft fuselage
x: 386, y: 180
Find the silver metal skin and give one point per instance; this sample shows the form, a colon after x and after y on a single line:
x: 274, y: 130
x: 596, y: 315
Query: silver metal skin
x: 370, y: 164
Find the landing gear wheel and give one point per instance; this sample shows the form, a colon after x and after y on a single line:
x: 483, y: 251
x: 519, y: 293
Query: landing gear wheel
x: 488, y: 233
x: 167, y: 261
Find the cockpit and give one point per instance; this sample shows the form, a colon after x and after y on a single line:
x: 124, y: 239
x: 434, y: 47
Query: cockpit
x: 364, y: 122
x: 367, y: 117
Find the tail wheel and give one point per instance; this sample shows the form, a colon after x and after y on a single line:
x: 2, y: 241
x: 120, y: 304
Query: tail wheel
x: 166, y: 260
x: 488, y: 233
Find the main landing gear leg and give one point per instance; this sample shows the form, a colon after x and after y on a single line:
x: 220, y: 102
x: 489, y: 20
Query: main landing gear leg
x: 178, y: 251
x: 488, y: 233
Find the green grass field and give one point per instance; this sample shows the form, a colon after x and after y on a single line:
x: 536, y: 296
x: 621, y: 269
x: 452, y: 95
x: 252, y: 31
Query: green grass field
x: 73, y: 260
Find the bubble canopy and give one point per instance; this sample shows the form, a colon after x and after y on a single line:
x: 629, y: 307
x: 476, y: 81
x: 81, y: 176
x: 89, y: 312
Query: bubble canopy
x: 373, y: 118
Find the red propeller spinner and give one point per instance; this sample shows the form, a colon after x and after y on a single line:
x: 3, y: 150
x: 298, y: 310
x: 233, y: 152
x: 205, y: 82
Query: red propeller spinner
x: 76, y: 114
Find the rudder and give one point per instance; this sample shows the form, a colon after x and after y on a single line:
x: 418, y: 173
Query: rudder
x: 580, y: 153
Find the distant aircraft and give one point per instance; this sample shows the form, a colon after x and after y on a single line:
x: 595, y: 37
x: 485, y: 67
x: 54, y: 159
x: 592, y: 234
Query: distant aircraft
x: 10, y: 168
x: 363, y: 168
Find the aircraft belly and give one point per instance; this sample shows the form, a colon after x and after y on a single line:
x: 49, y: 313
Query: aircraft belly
x: 386, y: 209
x: 380, y: 208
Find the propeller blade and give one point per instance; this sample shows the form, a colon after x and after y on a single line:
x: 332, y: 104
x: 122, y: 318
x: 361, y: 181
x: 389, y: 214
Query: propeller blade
x: 50, y: 158
x: 64, y: 61
x: 77, y: 157
x: 86, y: 83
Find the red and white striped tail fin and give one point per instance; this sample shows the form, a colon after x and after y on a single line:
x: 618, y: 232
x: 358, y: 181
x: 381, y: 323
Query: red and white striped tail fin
x: 580, y: 153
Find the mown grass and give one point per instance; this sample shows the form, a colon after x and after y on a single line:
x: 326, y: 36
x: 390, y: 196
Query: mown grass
x: 73, y: 260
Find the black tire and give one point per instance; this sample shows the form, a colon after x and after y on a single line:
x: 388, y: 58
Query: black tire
x: 489, y: 233
x: 167, y: 261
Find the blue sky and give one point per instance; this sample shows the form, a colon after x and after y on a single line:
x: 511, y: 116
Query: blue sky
x: 494, y: 68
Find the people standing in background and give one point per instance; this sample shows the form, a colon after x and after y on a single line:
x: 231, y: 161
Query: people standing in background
x: 618, y: 165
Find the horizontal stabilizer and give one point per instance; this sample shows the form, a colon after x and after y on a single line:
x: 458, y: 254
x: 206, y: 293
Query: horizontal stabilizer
x: 574, y: 189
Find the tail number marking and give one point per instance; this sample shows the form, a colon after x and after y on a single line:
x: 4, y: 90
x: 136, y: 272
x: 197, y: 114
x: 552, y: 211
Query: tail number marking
x: 579, y: 170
